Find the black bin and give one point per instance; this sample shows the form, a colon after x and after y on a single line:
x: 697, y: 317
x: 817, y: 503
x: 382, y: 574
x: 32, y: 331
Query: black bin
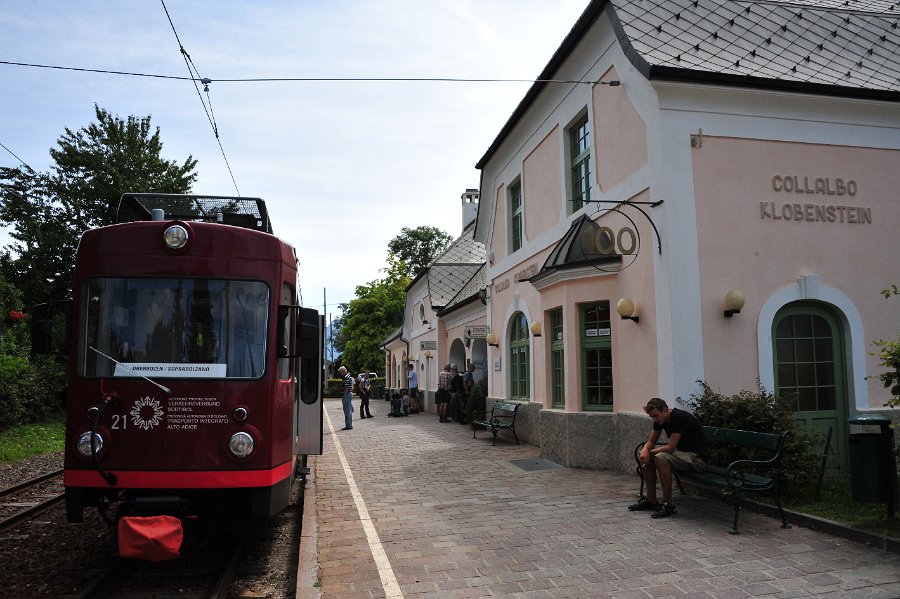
x: 873, y: 470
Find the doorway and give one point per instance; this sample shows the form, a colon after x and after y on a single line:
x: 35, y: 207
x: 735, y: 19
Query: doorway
x: 810, y: 367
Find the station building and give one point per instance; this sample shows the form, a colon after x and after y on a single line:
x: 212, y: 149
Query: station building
x: 694, y: 190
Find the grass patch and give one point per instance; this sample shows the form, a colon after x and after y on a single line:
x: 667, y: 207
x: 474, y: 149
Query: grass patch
x: 837, y: 504
x: 21, y: 442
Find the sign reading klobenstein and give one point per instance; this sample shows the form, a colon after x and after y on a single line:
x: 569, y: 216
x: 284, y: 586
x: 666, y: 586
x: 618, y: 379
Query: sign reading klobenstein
x: 815, y: 211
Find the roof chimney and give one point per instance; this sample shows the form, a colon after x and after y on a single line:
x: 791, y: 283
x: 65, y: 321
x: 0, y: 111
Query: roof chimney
x: 469, y: 206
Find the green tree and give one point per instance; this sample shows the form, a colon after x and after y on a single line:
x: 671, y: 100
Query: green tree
x: 92, y: 168
x: 416, y: 248
x: 368, y: 319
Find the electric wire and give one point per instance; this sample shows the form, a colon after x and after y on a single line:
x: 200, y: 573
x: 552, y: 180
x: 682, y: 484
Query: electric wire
x: 210, y: 115
x: 298, y: 79
x: 25, y: 164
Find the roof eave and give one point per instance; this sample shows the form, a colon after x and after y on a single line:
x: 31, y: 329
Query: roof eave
x: 663, y: 73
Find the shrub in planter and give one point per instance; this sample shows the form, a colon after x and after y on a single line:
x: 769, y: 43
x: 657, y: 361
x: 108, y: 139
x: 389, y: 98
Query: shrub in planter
x: 762, y: 412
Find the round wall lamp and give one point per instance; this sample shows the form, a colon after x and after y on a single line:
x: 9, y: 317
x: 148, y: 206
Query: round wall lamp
x: 625, y: 309
x: 734, y: 301
x: 492, y: 340
x: 536, y: 328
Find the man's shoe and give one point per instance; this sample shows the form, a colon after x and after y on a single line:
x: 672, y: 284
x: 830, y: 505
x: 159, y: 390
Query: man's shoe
x: 644, y: 504
x: 362, y: 417
x: 664, y: 510
x: 347, y: 428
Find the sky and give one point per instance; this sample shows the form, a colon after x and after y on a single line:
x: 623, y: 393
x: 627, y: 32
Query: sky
x: 342, y: 165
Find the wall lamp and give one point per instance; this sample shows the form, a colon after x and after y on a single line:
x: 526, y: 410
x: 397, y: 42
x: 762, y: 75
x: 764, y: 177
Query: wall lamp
x: 625, y: 308
x: 734, y: 301
x: 492, y: 340
x: 428, y: 354
x: 536, y: 328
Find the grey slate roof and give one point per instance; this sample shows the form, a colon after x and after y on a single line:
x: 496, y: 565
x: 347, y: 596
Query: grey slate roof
x: 837, y: 47
x: 471, y: 290
x: 847, y: 43
x: 454, y: 268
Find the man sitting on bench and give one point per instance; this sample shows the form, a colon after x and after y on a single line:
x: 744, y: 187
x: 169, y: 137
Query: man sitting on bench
x: 685, y: 450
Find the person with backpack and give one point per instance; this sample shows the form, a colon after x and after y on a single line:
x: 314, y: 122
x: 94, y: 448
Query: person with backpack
x: 362, y: 388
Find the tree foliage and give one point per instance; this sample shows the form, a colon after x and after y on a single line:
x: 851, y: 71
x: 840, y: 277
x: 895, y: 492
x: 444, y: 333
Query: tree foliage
x: 30, y: 387
x: 92, y: 168
x: 418, y: 247
x: 370, y: 318
x: 888, y: 355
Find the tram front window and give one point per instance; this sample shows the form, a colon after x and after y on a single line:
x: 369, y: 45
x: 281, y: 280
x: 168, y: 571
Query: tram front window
x: 197, y: 328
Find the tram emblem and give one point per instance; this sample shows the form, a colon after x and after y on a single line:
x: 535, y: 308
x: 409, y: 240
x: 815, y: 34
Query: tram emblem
x: 146, y: 413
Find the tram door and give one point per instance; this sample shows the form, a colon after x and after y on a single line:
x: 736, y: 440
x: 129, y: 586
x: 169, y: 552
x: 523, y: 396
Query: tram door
x: 309, y: 423
x: 810, y: 366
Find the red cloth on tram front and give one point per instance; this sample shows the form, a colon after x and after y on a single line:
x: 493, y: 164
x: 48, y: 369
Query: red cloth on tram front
x: 152, y: 538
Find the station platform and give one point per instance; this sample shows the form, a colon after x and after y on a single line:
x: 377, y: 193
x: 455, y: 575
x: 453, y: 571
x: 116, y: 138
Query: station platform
x: 411, y: 507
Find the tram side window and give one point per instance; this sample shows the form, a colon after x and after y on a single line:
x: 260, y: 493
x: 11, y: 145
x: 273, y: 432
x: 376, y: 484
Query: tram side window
x: 159, y: 323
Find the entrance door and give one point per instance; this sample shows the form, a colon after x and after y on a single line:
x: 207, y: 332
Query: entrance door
x: 810, y: 366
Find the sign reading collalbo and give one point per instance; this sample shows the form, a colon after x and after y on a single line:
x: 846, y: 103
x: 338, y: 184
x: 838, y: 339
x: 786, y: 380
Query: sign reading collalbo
x: 830, y: 213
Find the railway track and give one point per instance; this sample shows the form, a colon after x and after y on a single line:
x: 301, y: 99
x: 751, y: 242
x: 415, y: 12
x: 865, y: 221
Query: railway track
x: 206, y: 573
x: 30, y: 498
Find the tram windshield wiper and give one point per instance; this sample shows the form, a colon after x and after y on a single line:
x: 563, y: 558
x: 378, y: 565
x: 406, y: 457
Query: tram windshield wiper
x: 116, y: 362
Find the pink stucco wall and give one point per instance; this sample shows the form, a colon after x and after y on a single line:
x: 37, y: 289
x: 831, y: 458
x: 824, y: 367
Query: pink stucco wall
x: 741, y: 187
x: 620, y: 138
x: 541, y: 184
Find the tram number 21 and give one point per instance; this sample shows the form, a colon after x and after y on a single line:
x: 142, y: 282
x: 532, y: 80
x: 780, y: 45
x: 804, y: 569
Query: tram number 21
x: 119, y: 422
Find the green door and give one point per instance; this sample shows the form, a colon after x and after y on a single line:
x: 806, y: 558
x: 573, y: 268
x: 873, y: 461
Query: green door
x: 810, y: 367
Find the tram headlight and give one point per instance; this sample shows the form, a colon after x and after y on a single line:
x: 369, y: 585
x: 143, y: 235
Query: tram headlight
x: 176, y: 237
x: 84, y: 444
x: 240, y: 444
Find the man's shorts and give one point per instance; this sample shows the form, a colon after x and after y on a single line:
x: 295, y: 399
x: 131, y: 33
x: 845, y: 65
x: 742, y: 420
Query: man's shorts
x: 442, y: 396
x: 682, y: 461
x: 413, y: 392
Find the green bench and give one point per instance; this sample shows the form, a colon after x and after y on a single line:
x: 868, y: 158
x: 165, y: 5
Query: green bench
x: 737, y: 477
x: 502, y: 416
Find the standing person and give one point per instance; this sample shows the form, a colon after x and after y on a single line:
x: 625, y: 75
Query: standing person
x: 346, y: 397
x: 469, y: 378
x: 364, y: 387
x: 457, y: 394
x: 442, y: 397
x: 413, y: 388
x: 685, y: 450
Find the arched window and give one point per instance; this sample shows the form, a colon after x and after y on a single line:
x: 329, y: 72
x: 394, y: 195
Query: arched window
x: 519, y: 375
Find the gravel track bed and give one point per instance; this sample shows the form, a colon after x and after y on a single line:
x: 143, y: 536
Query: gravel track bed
x: 50, y: 557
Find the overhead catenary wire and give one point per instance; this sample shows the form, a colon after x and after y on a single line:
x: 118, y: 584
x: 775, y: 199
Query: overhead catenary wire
x: 25, y: 164
x: 207, y: 80
x: 196, y: 78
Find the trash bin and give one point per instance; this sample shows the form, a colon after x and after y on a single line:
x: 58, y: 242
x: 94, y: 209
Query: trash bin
x: 873, y: 469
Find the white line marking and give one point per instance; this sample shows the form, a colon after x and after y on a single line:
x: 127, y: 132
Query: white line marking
x: 385, y: 571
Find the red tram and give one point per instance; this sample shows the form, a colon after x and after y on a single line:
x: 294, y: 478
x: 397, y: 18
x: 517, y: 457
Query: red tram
x: 195, y: 378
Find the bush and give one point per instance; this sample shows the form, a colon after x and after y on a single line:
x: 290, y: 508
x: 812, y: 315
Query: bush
x: 476, y: 400
x: 762, y: 412
x: 31, y: 387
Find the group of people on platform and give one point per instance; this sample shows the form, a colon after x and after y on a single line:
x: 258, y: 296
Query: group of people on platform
x: 453, y: 387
